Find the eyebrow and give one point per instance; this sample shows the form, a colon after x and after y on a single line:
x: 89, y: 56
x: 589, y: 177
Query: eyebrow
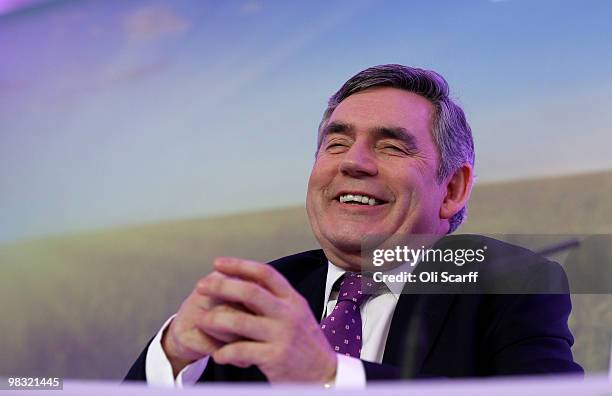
x: 381, y: 132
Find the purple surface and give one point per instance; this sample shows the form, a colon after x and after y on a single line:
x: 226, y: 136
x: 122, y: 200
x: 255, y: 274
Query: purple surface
x: 549, y: 385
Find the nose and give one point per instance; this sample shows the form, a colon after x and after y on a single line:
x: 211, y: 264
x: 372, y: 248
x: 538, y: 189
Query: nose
x: 358, y: 161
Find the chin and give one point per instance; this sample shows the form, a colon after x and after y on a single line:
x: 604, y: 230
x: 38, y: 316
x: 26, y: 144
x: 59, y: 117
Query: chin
x: 340, y: 243
x: 344, y: 257
x: 350, y: 243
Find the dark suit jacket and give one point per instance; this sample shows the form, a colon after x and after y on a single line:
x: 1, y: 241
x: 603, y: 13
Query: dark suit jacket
x: 459, y: 335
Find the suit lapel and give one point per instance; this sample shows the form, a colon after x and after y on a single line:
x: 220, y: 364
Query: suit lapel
x: 432, y: 310
x: 429, y: 309
x: 312, y: 284
x: 399, y: 325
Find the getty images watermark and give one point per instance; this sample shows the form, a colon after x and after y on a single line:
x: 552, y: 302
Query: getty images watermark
x: 490, y: 264
x: 408, y: 257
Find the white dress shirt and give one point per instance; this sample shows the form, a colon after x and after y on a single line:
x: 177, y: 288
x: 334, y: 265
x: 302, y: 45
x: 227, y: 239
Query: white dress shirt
x: 376, y: 315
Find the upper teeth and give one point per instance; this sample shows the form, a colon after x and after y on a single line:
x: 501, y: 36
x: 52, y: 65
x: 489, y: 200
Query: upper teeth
x: 364, y: 199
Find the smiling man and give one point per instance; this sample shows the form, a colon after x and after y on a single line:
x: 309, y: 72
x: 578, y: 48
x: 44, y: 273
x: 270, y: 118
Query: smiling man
x: 395, y: 156
x: 377, y: 143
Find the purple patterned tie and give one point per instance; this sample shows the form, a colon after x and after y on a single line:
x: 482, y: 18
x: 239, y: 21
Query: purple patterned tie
x: 343, y: 326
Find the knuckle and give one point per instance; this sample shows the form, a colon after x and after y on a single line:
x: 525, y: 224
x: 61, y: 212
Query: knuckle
x: 223, y: 355
x: 236, y: 323
x: 192, y: 344
x: 265, y: 271
x: 210, y: 319
x: 251, y: 292
x: 214, y: 284
x: 200, y: 283
x: 279, y: 306
x: 206, y: 303
x: 232, y: 322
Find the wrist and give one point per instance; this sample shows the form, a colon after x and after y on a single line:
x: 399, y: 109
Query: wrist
x: 170, y: 349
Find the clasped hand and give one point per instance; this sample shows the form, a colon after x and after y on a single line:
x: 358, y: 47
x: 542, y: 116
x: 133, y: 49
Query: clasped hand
x: 246, y: 313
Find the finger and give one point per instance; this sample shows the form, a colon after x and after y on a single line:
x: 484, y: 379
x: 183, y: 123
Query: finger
x: 237, y: 323
x: 205, y: 303
x: 219, y: 335
x: 242, y: 353
x: 253, y: 296
x: 202, y: 301
x: 223, y: 337
x: 195, y: 344
x: 264, y: 274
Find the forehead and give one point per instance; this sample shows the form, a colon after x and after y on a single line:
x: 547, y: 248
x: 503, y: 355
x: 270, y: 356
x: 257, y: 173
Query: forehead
x: 384, y: 106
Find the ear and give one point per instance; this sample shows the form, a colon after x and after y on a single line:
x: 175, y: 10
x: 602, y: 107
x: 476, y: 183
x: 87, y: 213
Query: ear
x: 458, y: 189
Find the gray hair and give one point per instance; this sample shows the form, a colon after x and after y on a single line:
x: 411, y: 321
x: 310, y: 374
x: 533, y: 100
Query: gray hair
x: 450, y: 130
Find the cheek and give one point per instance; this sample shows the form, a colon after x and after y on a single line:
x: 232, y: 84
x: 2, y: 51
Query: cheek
x: 322, y: 173
x: 316, y: 185
x: 427, y: 195
x: 413, y: 190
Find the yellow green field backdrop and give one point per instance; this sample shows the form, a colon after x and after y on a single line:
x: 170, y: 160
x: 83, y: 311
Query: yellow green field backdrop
x: 84, y: 305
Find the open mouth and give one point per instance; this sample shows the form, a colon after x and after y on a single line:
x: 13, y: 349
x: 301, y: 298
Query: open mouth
x: 359, y: 199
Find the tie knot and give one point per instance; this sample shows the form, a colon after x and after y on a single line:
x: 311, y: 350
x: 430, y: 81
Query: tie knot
x: 357, y: 287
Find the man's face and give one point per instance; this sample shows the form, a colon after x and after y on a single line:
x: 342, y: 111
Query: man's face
x: 378, y: 144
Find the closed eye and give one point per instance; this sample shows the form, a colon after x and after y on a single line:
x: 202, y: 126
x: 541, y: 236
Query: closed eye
x: 394, y: 149
x: 336, y: 146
